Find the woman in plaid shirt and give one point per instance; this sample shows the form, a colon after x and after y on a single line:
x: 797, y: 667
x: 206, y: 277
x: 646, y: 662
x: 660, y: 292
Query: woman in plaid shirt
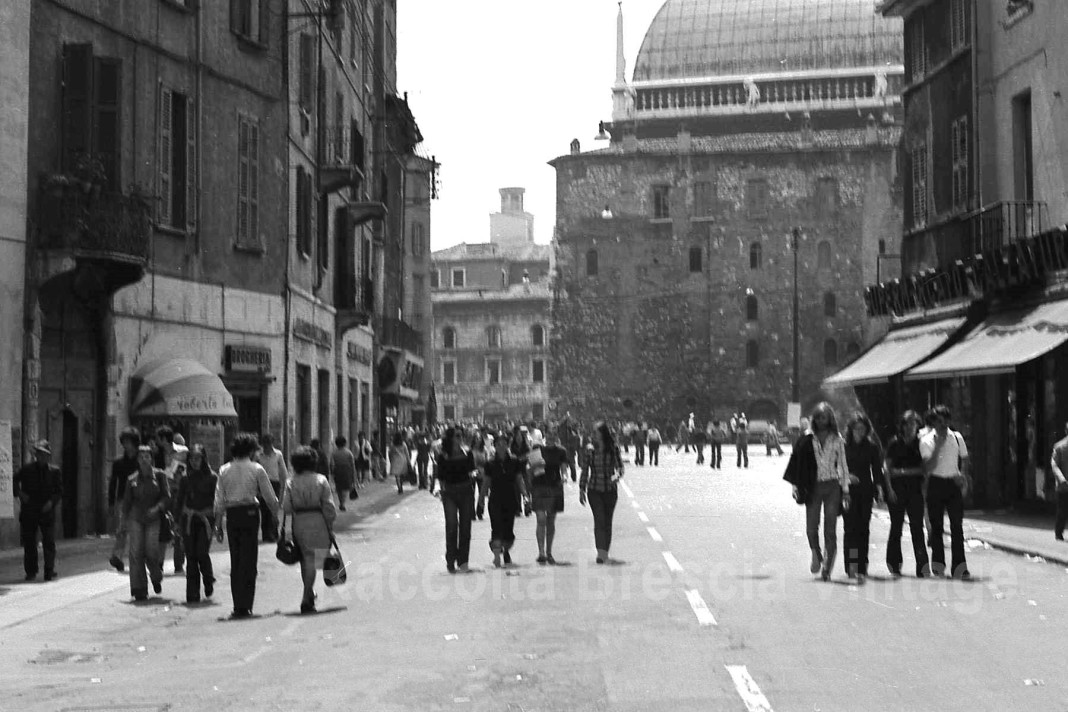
x: 601, y: 469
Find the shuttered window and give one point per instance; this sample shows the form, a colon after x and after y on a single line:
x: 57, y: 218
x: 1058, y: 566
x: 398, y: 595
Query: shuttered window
x: 307, y: 67
x: 250, y: 20
x: 248, y: 183
x: 91, y: 114
x: 919, y: 185
x: 176, y: 160
x: 959, y: 138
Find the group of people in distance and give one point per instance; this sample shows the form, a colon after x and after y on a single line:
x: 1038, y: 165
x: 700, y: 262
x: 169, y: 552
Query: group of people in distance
x: 925, y: 464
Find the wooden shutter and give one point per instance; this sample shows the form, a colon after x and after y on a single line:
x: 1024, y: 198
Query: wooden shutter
x: 242, y: 179
x: 77, y: 85
x: 254, y: 183
x: 165, y: 156
x: 357, y: 145
x: 299, y: 200
x: 307, y: 63
x: 107, y: 110
x: 191, y: 129
x: 264, y: 16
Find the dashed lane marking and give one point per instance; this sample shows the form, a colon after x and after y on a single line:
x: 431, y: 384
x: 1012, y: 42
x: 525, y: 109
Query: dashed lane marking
x: 626, y: 489
x: 751, y: 695
x: 672, y: 562
x: 654, y: 534
x: 700, y: 608
x: 644, y: 517
x: 635, y: 504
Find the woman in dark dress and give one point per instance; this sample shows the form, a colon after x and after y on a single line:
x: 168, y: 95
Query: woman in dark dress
x: 196, y: 521
x: 454, y: 470
x: 504, y: 481
x: 864, y: 460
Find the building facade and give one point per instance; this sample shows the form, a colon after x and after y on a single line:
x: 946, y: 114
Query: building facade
x: 420, y: 189
x: 982, y: 300
x: 677, y: 264
x: 491, y: 306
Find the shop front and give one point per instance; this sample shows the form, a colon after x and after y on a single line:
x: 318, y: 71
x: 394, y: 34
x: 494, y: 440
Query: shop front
x: 400, y: 374
x: 248, y: 378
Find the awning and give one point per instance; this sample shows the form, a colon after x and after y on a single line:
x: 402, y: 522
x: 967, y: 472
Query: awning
x: 898, y: 351
x: 1001, y: 343
x: 180, y: 388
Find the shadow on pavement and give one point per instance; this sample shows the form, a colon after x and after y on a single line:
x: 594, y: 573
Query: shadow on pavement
x: 319, y: 612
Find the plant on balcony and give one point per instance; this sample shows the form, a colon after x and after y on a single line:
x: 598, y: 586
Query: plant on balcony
x: 87, y: 175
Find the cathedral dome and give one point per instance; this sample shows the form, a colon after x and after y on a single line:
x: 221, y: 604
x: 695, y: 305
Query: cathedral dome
x: 707, y: 38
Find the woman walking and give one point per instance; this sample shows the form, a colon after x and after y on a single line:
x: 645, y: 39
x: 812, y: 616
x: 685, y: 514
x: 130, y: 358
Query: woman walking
x: 505, y: 485
x: 820, y: 478
x: 865, y: 462
x: 400, y: 460
x: 306, y: 499
x: 196, y: 521
x: 236, y: 508
x: 453, y: 470
x: 904, y: 469
x: 602, y: 469
x: 481, y: 457
x: 547, y: 494
x: 147, y: 497
x: 343, y: 464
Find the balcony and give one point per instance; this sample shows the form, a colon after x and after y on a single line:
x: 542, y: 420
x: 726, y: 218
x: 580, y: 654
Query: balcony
x: 992, y: 226
x: 110, y: 231
x: 343, y: 158
x: 355, y: 301
x: 399, y: 335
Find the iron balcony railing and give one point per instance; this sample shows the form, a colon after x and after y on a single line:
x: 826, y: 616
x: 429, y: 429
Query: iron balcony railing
x: 90, y: 222
x: 401, y: 335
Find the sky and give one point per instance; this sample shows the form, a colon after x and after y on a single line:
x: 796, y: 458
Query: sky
x: 501, y: 87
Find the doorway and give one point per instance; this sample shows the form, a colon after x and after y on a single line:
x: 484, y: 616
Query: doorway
x: 69, y: 470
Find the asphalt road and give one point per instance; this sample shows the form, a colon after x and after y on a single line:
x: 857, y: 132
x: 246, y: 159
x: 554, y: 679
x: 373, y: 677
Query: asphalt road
x: 710, y: 608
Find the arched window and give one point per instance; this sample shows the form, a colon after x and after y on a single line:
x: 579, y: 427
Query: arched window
x: 830, y: 352
x: 853, y: 350
x: 448, y: 338
x: 493, y: 337
x: 823, y: 255
x: 756, y: 256
x: 752, y: 354
x: 830, y: 304
x: 752, y: 308
x: 695, y: 259
x: 591, y: 263
x: 537, y: 335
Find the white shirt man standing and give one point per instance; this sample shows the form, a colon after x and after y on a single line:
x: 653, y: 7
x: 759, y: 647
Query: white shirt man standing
x: 945, y: 458
x: 274, y: 462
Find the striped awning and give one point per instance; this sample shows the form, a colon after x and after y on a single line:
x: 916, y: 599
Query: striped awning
x: 178, y: 388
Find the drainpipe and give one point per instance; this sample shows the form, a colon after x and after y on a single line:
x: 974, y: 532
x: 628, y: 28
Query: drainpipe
x: 287, y: 292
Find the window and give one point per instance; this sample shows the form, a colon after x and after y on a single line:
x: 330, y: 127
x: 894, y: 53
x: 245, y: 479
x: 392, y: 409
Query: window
x: 917, y: 50
x: 448, y: 373
x: 752, y: 354
x: 830, y: 304
x: 248, y: 182
x: 449, y: 413
x: 353, y: 37
x: 695, y: 259
x: 756, y: 198
x: 448, y: 338
x: 959, y: 138
x: 324, y: 406
x: 354, y: 409
x: 591, y: 263
x: 249, y: 20
x: 958, y: 17
x: 661, y: 201
x: 92, y: 110
x: 1023, y: 147
x: 304, y: 211
x: 823, y: 255
x: 418, y: 239
x: 537, y: 335
x: 435, y: 279
x: 752, y: 308
x: 756, y: 255
x: 704, y: 198
x: 365, y: 405
x: 882, y: 247
x: 537, y: 411
x: 458, y: 278
x: 176, y: 160
x: 827, y: 197
x: 493, y: 371
x: 830, y: 352
x: 338, y: 131
x: 919, y: 184
x: 493, y: 337
x: 303, y: 403
x: 537, y: 371
x: 306, y: 86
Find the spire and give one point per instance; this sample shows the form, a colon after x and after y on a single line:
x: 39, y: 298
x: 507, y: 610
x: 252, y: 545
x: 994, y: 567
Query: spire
x: 621, y: 62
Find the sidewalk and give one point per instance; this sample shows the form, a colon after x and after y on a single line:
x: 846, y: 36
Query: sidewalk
x: 1024, y: 534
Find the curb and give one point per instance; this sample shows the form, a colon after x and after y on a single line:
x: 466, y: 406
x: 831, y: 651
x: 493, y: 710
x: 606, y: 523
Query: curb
x: 1058, y: 559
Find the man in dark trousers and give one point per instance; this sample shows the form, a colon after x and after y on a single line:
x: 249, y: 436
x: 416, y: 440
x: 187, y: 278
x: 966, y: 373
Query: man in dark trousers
x: 1059, y: 466
x: 422, y: 458
x: 121, y: 471
x: 39, y: 486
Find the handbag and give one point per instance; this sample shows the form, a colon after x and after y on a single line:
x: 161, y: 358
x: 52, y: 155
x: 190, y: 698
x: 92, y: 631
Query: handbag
x: 411, y: 476
x: 166, y: 528
x: 287, y: 551
x: 334, y: 573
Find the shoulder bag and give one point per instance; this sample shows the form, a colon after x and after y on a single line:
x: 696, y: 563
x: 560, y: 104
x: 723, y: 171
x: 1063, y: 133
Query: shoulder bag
x: 334, y: 573
x: 287, y: 551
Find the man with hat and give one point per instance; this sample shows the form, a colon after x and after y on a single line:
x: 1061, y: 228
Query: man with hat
x: 39, y: 486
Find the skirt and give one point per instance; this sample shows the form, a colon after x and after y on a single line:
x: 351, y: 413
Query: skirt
x: 547, y: 499
x: 309, y: 531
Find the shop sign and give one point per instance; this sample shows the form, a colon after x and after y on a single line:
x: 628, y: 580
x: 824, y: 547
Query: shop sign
x: 248, y: 359
x: 307, y: 331
x: 195, y: 404
x: 359, y: 354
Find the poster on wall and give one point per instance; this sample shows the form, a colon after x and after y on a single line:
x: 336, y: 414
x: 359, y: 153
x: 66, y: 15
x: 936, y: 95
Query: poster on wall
x: 7, y: 472
x: 211, y: 436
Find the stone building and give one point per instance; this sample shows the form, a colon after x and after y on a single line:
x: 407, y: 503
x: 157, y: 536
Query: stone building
x: 980, y: 309
x: 491, y: 305
x: 675, y: 264
x: 420, y: 186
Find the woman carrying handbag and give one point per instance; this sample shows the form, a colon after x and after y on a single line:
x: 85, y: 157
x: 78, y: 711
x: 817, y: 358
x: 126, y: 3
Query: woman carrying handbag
x: 307, y: 499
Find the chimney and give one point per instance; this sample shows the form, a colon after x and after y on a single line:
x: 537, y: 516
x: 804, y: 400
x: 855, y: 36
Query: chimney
x: 576, y: 147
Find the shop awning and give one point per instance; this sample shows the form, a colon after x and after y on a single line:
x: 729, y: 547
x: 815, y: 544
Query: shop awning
x: 898, y: 351
x: 1001, y: 343
x: 178, y: 388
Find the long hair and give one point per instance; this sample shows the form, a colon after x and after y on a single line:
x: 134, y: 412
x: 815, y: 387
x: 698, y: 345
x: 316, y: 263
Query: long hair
x: 204, y: 469
x: 824, y: 408
x: 909, y: 416
x: 861, y: 419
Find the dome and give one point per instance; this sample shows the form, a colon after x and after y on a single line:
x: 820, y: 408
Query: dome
x: 704, y: 38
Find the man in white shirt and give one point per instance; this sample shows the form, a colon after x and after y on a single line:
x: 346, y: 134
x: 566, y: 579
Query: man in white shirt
x: 274, y: 462
x: 945, y: 458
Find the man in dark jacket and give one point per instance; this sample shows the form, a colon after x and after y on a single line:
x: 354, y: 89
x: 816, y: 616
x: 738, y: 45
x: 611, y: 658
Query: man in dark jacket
x: 39, y: 486
x: 121, y: 471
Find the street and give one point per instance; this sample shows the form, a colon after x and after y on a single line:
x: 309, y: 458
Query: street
x: 710, y: 607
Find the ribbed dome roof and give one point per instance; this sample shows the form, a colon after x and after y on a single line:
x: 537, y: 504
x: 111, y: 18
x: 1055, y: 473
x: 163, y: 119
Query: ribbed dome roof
x: 702, y: 38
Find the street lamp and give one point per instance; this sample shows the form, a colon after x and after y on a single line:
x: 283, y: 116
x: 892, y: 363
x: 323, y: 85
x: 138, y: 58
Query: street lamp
x: 795, y: 394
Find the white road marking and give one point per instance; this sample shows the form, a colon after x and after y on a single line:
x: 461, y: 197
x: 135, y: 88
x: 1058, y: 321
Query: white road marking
x: 700, y: 608
x: 654, y: 534
x: 644, y: 517
x: 626, y: 489
x: 751, y: 695
x: 672, y: 562
x: 635, y: 504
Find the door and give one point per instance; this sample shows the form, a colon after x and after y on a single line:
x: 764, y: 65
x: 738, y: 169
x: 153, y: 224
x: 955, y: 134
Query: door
x: 69, y: 463
x: 249, y: 413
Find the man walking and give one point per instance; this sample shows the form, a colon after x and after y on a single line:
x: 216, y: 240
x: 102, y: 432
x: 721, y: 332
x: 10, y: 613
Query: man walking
x: 741, y: 440
x: 945, y: 458
x: 771, y: 439
x: 422, y: 458
x: 654, y: 439
x: 698, y: 439
x: 274, y: 462
x: 121, y: 471
x: 716, y: 436
x: 1059, y: 464
x: 39, y: 486
x: 343, y: 465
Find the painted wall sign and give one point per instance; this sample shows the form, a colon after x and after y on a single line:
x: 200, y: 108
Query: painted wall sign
x: 248, y: 359
x: 307, y: 331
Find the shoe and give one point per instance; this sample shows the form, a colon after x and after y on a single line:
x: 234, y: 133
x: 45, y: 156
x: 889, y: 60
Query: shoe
x: 307, y: 607
x: 240, y: 613
x: 157, y: 586
x: 496, y: 560
x: 600, y: 560
x: 117, y: 563
x: 50, y: 575
x: 825, y: 574
x: 400, y: 490
x: 550, y: 560
x: 542, y: 560
x: 966, y: 575
x: 209, y: 588
x: 192, y: 599
x: 817, y: 562
x: 179, y: 570
x: 464, y: 568
x: 861, y: 578
x: 895, y: 571
x: 140, y: 596
x: 342, y: 508
x: 30, y: 577
x: 451, y: 566
x: 507, y: 558
x: 1059, y: 537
